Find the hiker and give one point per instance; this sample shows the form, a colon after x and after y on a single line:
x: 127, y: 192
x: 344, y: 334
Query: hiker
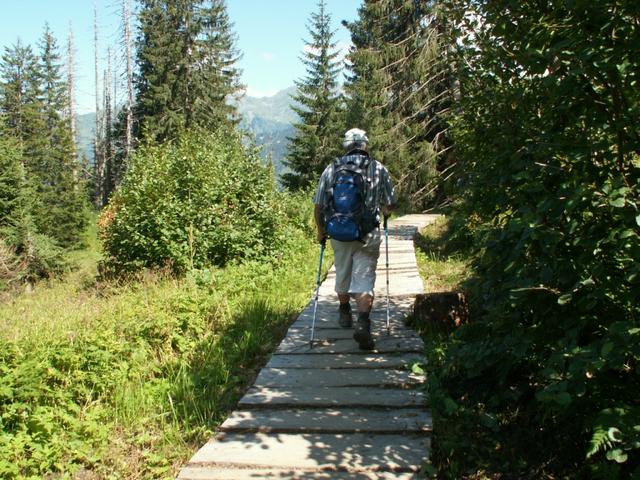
x: 347, y: 202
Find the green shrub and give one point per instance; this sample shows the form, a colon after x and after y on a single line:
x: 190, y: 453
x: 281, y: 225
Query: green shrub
x: 128, y: 379
x: 203, y: 200
x: 548, y: 137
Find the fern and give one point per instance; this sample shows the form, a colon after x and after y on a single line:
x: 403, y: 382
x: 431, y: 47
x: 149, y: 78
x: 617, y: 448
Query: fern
x: 599, y: 441
x: 616, y: 431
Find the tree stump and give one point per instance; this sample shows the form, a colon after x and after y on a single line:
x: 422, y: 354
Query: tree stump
x: 444, y: 311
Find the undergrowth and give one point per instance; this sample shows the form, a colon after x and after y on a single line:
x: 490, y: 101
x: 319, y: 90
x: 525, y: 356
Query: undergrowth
x: 442, y: 260
x: 127, y: 380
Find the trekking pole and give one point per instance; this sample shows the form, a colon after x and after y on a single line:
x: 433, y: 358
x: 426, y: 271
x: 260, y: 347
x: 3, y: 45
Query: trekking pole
x: 386, y: 247
x: 315, y: 305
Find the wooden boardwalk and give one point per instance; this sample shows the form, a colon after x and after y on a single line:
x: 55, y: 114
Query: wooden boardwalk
x: 334, y: 411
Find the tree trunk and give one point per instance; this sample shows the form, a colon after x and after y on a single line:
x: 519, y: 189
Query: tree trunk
x: 128, y: 143
x: 70, y: 99
x: 97, y: 143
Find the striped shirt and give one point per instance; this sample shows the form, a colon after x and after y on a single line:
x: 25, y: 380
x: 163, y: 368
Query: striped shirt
x: 378, y: 188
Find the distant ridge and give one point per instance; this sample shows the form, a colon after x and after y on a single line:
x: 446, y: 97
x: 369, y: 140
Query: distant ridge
x: 269, y: 119
x: 276, y: 108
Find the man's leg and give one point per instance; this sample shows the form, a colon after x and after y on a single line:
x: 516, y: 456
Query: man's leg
x: 363, y: 278
x: 346, y: 317
x: 364, y: 302
x: 342, y: 253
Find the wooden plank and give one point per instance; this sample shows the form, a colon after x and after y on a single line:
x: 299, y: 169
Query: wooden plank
x: 336, y: 387
x: 397, y: 321
x: 396, y: 261
x: 381, y: 277
x: 328, y: 306
x: 329, y: 319
x: 296, y: 334
x: 352, y: 452
x: 404, y: 286
x: 384, y: 344
x: 408, y: 288
x: 342, y: 377
x: 329, y: 420
x: 230, y: 473
x: 332, y: 397
x: 338, y: 361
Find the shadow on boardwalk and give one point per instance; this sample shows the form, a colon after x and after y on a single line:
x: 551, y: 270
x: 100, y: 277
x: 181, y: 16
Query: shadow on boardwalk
x: 333, y: 411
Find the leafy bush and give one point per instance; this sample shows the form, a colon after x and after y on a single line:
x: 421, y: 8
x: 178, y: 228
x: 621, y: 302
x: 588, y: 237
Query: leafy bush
x: 203, y: 200
x: 548, y: 139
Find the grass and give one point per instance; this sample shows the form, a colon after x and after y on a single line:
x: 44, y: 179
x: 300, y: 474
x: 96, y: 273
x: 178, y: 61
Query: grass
x: 127, y: 380
x: 442, y: 266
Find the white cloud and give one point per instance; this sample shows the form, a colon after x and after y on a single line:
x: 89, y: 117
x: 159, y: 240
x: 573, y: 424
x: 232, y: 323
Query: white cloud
x: 268, y: 56
x: 257, y: 92
x: 310, y: 49
x: 342, y: 47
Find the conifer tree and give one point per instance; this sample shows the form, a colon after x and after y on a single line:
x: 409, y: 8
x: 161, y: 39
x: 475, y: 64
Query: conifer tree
x: 366, y: 82
x: 316, y: 140
x: 23, y: 248
x: 22, y: 113
x: 20, y: 133
x: 70, y: 114
x: 33, y: 99
x: 399, y: 90
x: 11, y: 178
x: 20, y: 92
x: 186, y: 59
x: 60, y: 213
x: 107, y: 140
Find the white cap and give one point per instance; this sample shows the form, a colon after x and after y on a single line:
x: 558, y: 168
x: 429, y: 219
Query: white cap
x: 355, y: 138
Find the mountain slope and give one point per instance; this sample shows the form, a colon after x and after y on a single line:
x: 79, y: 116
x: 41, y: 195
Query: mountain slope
x: 268, y: 119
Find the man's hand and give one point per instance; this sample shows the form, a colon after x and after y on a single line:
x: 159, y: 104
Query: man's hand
x: 321, y: 234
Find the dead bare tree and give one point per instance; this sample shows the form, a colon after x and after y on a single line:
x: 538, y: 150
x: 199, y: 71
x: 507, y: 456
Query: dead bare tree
x: 70, y: 105
x: 107, y: 140
x: 126, y: 14
x: 99, y: 170
x: 70, y: 79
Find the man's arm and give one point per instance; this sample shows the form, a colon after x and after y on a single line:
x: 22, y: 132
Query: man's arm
x: 322, y: 234
x: 387, y: 209
x: 389, y: 193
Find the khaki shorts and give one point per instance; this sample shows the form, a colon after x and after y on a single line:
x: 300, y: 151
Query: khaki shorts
x: 356, y: 264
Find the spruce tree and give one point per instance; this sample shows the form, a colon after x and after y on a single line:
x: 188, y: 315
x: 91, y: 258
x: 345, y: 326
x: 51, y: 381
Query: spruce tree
x: 27, y: 254
x: 33, y: 99
x: 23, y: 121
x: 365, y: 85
x: 217, y: 79
x: 186, y: 59
x: 61, y: 212
x: 11, y: 179
x: 399, y: 90
x: 20, y: 93
x: 316, y: 140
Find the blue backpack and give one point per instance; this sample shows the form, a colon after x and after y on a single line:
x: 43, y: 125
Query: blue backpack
x: 346, y: 215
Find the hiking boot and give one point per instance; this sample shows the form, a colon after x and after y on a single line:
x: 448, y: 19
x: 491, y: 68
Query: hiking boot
x: 346, y: 317
x: 362, y: 335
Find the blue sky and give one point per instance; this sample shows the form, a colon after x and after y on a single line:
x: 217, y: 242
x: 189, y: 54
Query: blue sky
x: 270, y: 36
